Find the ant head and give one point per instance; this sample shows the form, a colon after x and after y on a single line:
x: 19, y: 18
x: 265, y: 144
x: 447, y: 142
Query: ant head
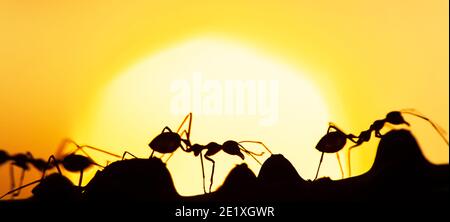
x: 3, y: 156
x: 395, y: 118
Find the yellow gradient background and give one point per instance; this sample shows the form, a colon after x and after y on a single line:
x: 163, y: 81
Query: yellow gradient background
x: 364, y: 58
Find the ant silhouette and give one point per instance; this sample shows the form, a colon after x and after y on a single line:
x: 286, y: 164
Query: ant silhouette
x: 334, y: 141
x: 73, y: 162
x: 169, y: 141
x: 230, y: 147
x: 22, y: 161
x: 395, y: 118
x: 52, y: 186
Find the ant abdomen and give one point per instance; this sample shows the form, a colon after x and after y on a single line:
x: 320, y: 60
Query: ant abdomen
x: 332, y: 142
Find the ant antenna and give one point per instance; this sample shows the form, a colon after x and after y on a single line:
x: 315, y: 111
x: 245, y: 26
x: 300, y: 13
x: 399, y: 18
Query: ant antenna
x: 439, y: 129
x: 187, y: 132
x: 252, y: 154
x: 258, y: 142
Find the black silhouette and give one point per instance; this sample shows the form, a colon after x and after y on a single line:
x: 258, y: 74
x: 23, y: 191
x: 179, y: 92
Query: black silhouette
x: 21, y: 160
x: 133, y: 179
x: 230, y: 147
x: 334, y: 141
x: 400, y: 173
x: 241, y: 184
x: 279, y: 181
x: 169, y: 141
x: 73, y: 162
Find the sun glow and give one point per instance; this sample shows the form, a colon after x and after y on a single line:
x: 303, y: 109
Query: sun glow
x: 234, y: 92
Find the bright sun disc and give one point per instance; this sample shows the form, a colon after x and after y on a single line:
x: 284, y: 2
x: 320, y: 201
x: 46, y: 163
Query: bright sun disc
x: 276, y: 105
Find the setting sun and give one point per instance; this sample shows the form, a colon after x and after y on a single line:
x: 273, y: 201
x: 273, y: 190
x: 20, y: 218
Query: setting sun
x: 112, y: 75
x: 258, y: 105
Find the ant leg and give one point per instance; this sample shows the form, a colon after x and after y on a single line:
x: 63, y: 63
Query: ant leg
x: 340, y: 165
x: 99, y: 150
x: 19, y: 188
x: 186, y: 141
x: 212, y: 172
x: 53, y: 160
x: 151, y: 155
x: 258, y: 142
x: 63, y: 144
x: 11, y: 174
x: 22, y: 177
x: 81, y: 178
x: 125, y: 153
x: 320, y: 162
x: 203, y: 173
x: 166, y: 128
x: 348, y: 163
x: 332, y: 125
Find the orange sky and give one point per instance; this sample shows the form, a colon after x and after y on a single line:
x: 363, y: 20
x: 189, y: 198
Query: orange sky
x: 366, y: 57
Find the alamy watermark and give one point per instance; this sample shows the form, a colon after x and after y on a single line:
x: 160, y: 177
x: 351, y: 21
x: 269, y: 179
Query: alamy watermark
x: 258, y: 98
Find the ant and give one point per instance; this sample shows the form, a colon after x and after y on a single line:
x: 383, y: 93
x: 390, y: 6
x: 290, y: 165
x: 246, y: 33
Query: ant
x: 73, y: 162
x: 333, y: 142
x: 230, y: 147
x: 169, y: 142
x: 22, y: 161
x: 336, y: 140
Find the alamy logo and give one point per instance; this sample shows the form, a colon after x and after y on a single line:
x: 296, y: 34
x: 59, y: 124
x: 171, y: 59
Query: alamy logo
x: 226, y: 97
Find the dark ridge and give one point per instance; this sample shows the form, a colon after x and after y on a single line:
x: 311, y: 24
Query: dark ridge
x: 399, y: 173
x: 400, y: 170
x: 134, y: 179
x: 240, y: 184
x: 279, y: 179
x: 399, y: 153
x: 56, y: 187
